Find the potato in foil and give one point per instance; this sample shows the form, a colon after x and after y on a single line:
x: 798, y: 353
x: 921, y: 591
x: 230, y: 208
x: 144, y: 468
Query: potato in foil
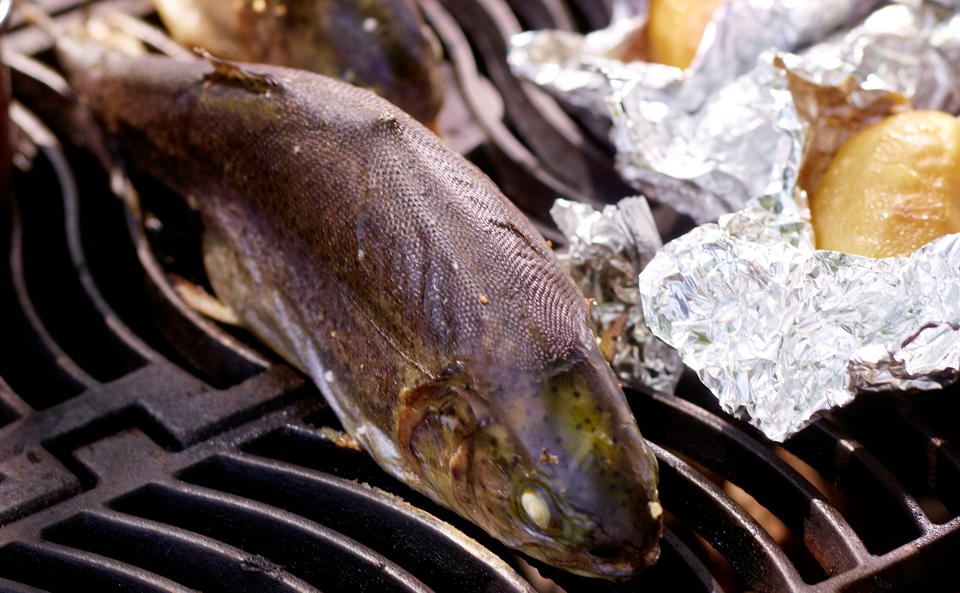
x: 892, y: 187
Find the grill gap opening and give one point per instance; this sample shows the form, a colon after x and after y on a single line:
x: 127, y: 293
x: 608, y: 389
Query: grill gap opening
x: 321, y: 563
x: 590, y: 15
x: 311, y: 449
x: 678, y: 569
x: 789, y: 541
x: 174, y: 555
x: 423, y: 548
x: 7, y: 415
x: 18, y: 565
x: 719, y: 566
x: 324, y: 417
x: 944, y: 458
x: 7, y: 586
x: 530, y: 195
x: 694, y: 391
x: 871, y: 420
x: 852, y: 470
x: 175, y: 232
x: 27, y: 366
x: 830, y: 492
x: 938, y: 409
x: 531, y: 15
x: 935, y: 413
x: 123, y: 282
x: 75, y: 572
x: 54, y: 288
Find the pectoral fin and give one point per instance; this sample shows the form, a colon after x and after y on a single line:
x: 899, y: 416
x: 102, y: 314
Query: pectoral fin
x: 203, y: 302
x: 340, y: 438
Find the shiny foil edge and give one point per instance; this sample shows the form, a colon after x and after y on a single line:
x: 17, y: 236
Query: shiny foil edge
x: 606, y: 251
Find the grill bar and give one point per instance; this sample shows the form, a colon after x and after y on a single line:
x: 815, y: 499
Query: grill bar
x: 874, y: 491
x: 476, y: 95
x: 552, y: 135
x: 60, y: 569
x: 927, y: 564
x: 12, y: 587
x: 378, y: 521
x: 725, y: 448
x: 726, y: 526
x: 184, y: 557
x: 309, y: 549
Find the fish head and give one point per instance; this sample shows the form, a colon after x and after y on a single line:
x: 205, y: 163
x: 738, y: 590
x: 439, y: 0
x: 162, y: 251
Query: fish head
x: 551, y: 463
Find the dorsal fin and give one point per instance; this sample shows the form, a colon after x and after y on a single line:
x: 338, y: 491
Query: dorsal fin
x: 235, y: 75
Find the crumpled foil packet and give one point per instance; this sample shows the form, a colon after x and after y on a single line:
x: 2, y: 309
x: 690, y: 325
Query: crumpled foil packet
x: 780, y: 331
x: 707, y: 139
x: 606, y: 253
x: 909, y: 47
x: 586, y: 69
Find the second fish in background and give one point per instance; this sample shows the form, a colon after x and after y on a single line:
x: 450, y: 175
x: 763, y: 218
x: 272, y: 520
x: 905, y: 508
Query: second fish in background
x: 382, y: 45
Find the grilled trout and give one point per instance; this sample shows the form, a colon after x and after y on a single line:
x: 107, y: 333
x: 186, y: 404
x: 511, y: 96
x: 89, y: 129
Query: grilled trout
x: 382, y: 45
x: 429, y: 311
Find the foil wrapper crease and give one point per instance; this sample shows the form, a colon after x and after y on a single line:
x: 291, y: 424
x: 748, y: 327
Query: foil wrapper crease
x: 607, y: 250
x: 707, y: 139
x: 778, y: 330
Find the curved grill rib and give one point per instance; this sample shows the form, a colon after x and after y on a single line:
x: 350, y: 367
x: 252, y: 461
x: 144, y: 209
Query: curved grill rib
x: 314, y: 552
x: 60, y: 569
x: 181, y: 556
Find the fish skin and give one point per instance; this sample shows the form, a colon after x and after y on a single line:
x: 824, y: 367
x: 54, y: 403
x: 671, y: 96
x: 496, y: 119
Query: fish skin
x: 382, y: 45
x: 432, y: 315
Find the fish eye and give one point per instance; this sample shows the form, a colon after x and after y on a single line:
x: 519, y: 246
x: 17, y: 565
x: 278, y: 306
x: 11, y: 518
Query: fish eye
x: 537, y: 507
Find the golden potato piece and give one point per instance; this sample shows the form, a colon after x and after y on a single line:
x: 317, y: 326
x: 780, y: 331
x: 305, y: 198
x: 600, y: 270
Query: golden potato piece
x: 675, y: 28
x: 892, y: 187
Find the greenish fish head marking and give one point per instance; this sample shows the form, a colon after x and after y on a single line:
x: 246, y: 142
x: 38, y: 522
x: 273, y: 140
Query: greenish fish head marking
x: 552, y: 465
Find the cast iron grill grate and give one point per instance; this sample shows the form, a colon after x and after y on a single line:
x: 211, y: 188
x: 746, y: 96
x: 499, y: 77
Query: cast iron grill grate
x: 143, y: 448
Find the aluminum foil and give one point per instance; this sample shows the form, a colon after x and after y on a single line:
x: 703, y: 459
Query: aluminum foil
x: 606, y: 253
x: 910, y: 47
x: 708, y: 139
x: 736, y: 144
x: 780, y: 331
x: 586, y: 69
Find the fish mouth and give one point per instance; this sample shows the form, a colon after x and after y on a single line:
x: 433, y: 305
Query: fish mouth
x: 620, y: 570
x: 629, y: 562
x: 621, y: 564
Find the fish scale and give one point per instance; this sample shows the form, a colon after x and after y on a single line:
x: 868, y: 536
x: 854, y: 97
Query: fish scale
x: 382, y: 45
x: 432, y: 315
